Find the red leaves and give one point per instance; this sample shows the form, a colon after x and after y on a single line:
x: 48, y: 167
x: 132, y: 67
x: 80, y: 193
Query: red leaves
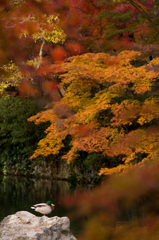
x: 74, y: 48
x: 26, y: 89
x: 110, y: 203
x: 62, y: 110
x: 82, y: 131
x: 52, y: 89
x: 14, y: 94
x: 58, y: 54
x: 48, y: 86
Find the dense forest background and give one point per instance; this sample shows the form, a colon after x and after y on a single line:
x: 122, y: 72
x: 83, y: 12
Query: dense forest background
x: 79, y: 98
x: 87, y: 71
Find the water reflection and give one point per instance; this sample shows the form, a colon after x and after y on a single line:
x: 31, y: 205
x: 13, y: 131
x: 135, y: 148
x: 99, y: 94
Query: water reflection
x: 17, y: 194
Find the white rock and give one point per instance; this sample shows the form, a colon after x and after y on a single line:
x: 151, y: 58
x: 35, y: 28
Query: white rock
x: 26, y: 226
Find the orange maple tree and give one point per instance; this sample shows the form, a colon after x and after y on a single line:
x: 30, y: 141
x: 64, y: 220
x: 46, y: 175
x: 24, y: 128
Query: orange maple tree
x: 110, y: 107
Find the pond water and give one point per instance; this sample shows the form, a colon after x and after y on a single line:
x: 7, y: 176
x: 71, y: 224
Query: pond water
x: 18, y: 194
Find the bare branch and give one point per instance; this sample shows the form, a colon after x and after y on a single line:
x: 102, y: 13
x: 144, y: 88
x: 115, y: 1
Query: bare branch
x: 40, y: 53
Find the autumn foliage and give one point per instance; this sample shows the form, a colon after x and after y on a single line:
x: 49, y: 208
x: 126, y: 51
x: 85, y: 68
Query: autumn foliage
x: 105, y: 104
x: 110, y: 107
x: 94, y: 67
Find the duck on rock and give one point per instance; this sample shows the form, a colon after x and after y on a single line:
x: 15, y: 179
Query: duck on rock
x: 44, y: 208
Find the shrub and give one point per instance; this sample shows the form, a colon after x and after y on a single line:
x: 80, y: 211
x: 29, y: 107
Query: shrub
x: 18, y: 137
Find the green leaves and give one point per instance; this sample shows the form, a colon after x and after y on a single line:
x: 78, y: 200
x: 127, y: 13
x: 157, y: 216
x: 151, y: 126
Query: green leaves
x: 18, y: 138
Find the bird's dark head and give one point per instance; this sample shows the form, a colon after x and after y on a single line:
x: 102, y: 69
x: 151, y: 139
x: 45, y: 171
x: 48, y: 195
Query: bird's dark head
x: 50, y: 203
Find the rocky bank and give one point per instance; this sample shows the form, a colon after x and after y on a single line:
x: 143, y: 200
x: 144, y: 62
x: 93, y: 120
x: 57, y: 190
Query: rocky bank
x: 26, y: 226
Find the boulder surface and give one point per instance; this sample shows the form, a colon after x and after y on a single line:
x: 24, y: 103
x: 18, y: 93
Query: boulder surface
x: 26, y: 226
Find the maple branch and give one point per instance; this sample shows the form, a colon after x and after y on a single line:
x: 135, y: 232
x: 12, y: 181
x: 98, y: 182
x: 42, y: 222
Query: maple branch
x: 19, y: 21
x: 7, y: 25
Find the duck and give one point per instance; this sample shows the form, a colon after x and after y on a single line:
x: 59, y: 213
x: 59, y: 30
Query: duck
x: 44, y: 208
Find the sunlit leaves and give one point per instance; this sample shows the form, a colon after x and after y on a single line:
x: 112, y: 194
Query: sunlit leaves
x: 50, y: 145
x: 38, y: 27
x: 109, y: 108
x: 48, y: 29
x: 139, y: 146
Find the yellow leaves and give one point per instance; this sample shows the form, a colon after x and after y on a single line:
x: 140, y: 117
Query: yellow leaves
x: 149, y: 112
x: 115, y: 170
x: 10, y: 67
x: 47, y: 116
x: 130, y: 110
x: 97, y: 69
x: 125, y: 112
x: 24, y: 33
x: 48, y: 29
x: 71, y: 155
x: 53, y: 141
x: 155, y: 61
x: 87, y: 116
x: 141, y: 120
x: 12, y: 75
x: 3, y: 85
x: 21, y: 78
x: 52, y: 19
x: 39, y: 27
x: 143, y: 149
x: 51, y: 144
x: 144, y: 79
x: 34, y: 62
x: 136, y: 146
x: 125, y: 57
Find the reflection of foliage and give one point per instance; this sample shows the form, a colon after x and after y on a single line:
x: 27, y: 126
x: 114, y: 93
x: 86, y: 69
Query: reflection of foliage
x: 18, y: 137
x: 109, y: 107
x: 123, y: 207
x: 24, y: 191
x: 85, y: 168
